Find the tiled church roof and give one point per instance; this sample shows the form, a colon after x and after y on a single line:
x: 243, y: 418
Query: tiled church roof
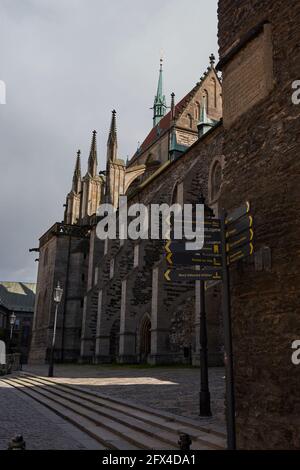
x: 18, y: 296
x: 165, y: 123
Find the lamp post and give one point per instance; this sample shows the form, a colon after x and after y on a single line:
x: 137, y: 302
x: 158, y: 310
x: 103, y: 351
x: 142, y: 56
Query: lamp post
x: 12, y: 321
x: 204, y: 395
x: 58, y: 292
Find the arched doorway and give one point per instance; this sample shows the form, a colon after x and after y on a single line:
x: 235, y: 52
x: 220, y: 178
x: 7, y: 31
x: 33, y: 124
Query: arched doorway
x: 145, y: 338
x: 114, y: 340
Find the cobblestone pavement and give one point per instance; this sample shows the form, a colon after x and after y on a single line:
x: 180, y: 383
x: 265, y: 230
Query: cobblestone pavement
x: 171, y: 389
x: 41, y: 428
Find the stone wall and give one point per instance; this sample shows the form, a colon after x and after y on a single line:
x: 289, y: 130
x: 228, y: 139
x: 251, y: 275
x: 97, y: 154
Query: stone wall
x: 129, y: 295
x: 261, y: 151
x: 63, y: 259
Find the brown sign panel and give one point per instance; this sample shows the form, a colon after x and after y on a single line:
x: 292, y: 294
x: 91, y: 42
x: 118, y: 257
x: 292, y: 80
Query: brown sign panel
x: 242, y: 224
x: 239, y: 240
x: 240, y: 253
x: 209, y: 223
x: 178, y: 246
x: 176, y: 275
x: 193, y: 259
x: 237, y: 213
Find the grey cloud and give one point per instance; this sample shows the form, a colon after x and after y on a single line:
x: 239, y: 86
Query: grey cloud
x: 67, y: 64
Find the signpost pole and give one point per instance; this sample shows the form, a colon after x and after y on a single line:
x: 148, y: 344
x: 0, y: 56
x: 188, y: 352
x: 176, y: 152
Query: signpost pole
x: 230, y: 402
x: 205, y: 409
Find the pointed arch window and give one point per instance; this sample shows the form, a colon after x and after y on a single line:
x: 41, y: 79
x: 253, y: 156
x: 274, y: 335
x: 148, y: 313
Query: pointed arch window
x: 190, y: 120
x: 177, y: 194
x: 215, y: 179
x: 197, y: 110
x: 213, y: 80
x: 206, y: 99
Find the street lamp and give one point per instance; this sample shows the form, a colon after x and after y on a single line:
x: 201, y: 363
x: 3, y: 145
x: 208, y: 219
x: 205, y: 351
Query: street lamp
x: 12, y: 321
x: 58, y: 292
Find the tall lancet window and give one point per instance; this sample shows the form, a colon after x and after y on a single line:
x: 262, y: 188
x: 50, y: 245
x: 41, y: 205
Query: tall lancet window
x: 213, y: 80
x: 205, y: 100
x: 215, y: 182
x: 197, y: 111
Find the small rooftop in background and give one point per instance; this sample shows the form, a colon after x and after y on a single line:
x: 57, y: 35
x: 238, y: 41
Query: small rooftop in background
x: 18, y: 296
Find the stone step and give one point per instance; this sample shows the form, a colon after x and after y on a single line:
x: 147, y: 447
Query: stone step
x: 122, y: 433
x: 154, y: 428
x: 71, y: 417
x: 183, y: 420
x: 119, y: 416
x: 170, y: 424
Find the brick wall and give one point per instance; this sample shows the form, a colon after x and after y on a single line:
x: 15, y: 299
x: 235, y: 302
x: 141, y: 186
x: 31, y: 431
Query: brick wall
x: 261, y: 151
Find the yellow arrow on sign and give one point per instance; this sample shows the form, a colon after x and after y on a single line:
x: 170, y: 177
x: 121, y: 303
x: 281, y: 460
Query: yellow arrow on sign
x: 239, y: 240
x: 167, y: 275
x: 167, y: 246
x: 169, y: 258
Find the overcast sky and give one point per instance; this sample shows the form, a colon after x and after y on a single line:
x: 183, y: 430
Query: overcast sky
x: 66, y: 65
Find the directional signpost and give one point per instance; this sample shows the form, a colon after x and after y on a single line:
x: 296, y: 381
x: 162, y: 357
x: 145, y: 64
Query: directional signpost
x: 204, y: 265
x: 226, y: 241
x: 237, y: 243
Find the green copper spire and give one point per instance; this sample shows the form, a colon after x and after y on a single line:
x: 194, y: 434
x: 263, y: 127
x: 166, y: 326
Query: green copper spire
x: 159, y: 107
x: 204, y: 124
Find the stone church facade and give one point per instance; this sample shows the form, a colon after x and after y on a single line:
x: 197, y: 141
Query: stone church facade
x: 116, y: 304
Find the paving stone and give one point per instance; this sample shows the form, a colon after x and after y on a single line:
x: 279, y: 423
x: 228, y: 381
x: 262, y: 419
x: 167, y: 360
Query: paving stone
x: 41, y: 428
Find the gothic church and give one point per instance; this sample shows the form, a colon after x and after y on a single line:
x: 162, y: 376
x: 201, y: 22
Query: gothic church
x: 116, y: 304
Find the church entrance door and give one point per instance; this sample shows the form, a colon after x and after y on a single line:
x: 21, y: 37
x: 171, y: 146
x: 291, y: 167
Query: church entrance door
x: 145, y: 339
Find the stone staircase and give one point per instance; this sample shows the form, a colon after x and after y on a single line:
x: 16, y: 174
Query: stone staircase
x: 115, y: 424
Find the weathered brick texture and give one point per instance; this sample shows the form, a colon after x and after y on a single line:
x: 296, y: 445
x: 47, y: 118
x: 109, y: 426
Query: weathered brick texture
x: 262, y: 165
